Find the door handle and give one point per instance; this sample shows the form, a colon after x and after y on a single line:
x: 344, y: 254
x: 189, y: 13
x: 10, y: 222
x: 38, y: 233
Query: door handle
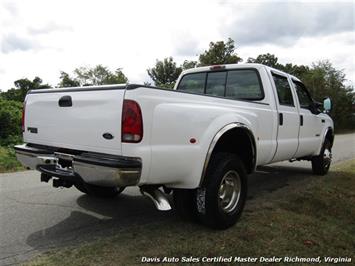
x: 301, y: 120
x: 281, y: 119
x: 65, y: 101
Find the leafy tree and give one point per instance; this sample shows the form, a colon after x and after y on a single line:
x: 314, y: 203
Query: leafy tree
x: 164, y: 73
x: 272, y: 61
x: 99, y: 75
x: 66, y: 81
x: 10, y: 121
x: 265, y: 59
x: 22, y: 86
x: 323, y: 80
x: 188, y: 64
x: 219, y: 53
x: 296, y: 70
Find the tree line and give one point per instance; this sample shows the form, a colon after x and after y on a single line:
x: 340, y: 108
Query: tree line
x: 321, y: 78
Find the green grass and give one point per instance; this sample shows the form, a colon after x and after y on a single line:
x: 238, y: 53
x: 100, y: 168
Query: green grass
x: 311, y: 218
x: 8, y: 161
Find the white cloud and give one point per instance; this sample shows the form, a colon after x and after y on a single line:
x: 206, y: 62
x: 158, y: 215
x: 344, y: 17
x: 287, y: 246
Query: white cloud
x: 12, y: 43
x: 284, y: 22
x: 48, y: 28
x: 338, y: 48
x: 49, y: 36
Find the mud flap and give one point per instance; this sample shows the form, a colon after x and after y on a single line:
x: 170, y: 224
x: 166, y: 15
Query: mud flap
x: 201, y: 200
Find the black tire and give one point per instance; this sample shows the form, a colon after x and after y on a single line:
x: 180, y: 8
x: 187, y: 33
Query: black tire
x: 98, y: 191
x: 184, y: 201
x: 225, y: 176
x: 321, y: 163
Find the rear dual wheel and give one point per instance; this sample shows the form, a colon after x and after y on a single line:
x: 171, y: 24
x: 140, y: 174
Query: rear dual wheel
x: 221, y: 199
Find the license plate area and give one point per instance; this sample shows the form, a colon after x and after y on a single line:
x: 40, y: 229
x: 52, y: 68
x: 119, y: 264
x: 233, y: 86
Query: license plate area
x: 65, y: 160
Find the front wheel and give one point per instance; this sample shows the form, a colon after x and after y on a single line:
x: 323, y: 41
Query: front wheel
x: 99, y: 191
x: 221, y: 199
x: 321, y: 163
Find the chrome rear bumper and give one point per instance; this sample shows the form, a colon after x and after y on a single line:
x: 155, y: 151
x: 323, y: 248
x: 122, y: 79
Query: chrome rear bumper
x: 92, y: 168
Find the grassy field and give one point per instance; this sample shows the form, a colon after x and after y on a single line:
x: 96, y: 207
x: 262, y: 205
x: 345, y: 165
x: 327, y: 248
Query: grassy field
x: 8, y: 161
x: 313, y: 218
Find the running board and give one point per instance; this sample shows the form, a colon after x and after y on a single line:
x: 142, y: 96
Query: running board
x: 159, y: 198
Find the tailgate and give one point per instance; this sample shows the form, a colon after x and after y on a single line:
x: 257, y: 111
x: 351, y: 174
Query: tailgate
x: 81, y: 119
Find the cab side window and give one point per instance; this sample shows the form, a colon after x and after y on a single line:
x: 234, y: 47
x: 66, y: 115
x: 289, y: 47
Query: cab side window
x: 283, y: 90
x: 194, y: 83
x: 303, y: 95
x: 244, y: 84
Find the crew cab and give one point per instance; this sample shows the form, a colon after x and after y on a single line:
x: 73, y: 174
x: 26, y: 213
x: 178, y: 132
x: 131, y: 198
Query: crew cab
x: 198, y: 141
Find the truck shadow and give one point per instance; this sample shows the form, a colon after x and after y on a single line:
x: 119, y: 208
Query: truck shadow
x: 271, y: 178
x: 95, y: 218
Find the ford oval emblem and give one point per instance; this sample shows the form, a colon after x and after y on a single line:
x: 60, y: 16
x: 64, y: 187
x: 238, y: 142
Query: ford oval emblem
x: 107, y: 136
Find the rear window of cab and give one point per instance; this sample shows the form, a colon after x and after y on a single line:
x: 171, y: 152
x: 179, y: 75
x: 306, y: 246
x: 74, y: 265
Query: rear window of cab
x: 237, y: 84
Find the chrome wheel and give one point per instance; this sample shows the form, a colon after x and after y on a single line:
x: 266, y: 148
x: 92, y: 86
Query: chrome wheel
x: 229, y: 191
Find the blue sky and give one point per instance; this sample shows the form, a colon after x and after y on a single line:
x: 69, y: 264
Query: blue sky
x: 44, y: 37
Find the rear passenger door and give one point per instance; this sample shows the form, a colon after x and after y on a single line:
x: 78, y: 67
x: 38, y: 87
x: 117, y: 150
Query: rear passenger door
x: 288, y: 126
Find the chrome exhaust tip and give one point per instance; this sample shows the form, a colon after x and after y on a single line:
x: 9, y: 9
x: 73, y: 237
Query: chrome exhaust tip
x: 159, y: 199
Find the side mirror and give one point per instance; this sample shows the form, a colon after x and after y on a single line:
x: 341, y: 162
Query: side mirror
x: 314, y: 107
x: 327, y: 105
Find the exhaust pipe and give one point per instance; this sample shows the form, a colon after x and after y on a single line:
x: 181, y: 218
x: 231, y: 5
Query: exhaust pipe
x: 159, y: 198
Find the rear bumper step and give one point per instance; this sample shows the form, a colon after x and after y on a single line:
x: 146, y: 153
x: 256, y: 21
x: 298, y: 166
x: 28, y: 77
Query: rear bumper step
x: 92, y: 168
x: 52, y: 170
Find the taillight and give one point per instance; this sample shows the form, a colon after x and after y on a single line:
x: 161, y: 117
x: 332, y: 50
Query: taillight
x: 132, y: 122
x: 23, y: 116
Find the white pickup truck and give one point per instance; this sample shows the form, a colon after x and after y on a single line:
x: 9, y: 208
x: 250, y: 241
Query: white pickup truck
x: 198, y: 141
